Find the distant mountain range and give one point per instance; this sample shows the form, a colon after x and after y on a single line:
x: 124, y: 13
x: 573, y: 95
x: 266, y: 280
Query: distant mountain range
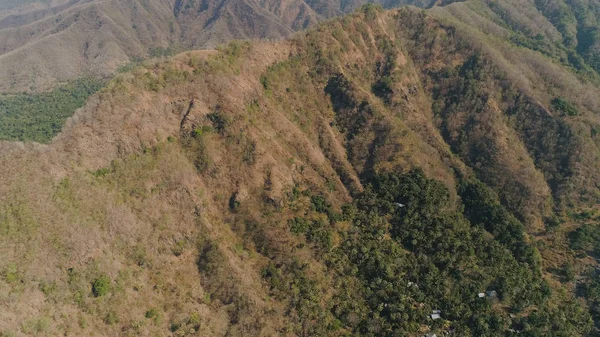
x: 44, y: 42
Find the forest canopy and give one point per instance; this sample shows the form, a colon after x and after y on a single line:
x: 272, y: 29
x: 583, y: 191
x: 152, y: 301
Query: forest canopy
x: 39, y: 117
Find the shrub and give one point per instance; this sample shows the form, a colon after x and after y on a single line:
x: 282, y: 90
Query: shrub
x: 47, y: 287
x: 101, y: 172
x: 101, y: 286
x: 249, y: 152
x: 320, y: 204
x: 11, y: 274
x: 370, y: 10
x: 298, y: 225
x: 218, y: 120
x: 552, y: 223
x: 196, y: 148
x: 111, y: 318
x: 586, y: 238
x: 36, y: 326
x: 199, y: 131
x: 568, y: 272
x: 234, y: 203
x: 153, y: 313
x: 384, y: 88
x: 564, y: 107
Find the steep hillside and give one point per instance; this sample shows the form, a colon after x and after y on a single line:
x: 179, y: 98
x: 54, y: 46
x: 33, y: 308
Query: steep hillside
x: 350, y: 181
x: 550, y: 99
x: 47, y: 42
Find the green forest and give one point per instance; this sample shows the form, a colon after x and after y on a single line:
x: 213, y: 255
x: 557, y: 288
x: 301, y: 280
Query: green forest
x: 39, y: 117
x: 410, y: 252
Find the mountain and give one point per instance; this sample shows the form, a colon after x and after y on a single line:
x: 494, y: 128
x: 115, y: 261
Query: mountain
x: 47, y: 42
x: 359, y: 178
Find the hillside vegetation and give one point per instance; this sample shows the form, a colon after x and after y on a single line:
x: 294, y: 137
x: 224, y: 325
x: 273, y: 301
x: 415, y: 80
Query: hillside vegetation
x: 381, y: 168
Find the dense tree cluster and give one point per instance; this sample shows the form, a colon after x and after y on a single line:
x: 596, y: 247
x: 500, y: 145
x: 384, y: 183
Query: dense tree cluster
x: 39, y: 117
x: 586, y: 239
x: 411, y: 251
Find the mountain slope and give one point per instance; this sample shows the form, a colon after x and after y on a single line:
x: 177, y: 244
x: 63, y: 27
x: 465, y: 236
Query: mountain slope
x: 346, y: 182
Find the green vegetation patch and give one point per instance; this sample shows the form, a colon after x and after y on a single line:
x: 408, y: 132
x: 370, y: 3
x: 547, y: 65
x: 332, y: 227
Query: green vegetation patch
x: 410, y: 252
x: 101, y: 286
x: 565, y: 107
x: 39, y: 117
x: 586, y: 239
